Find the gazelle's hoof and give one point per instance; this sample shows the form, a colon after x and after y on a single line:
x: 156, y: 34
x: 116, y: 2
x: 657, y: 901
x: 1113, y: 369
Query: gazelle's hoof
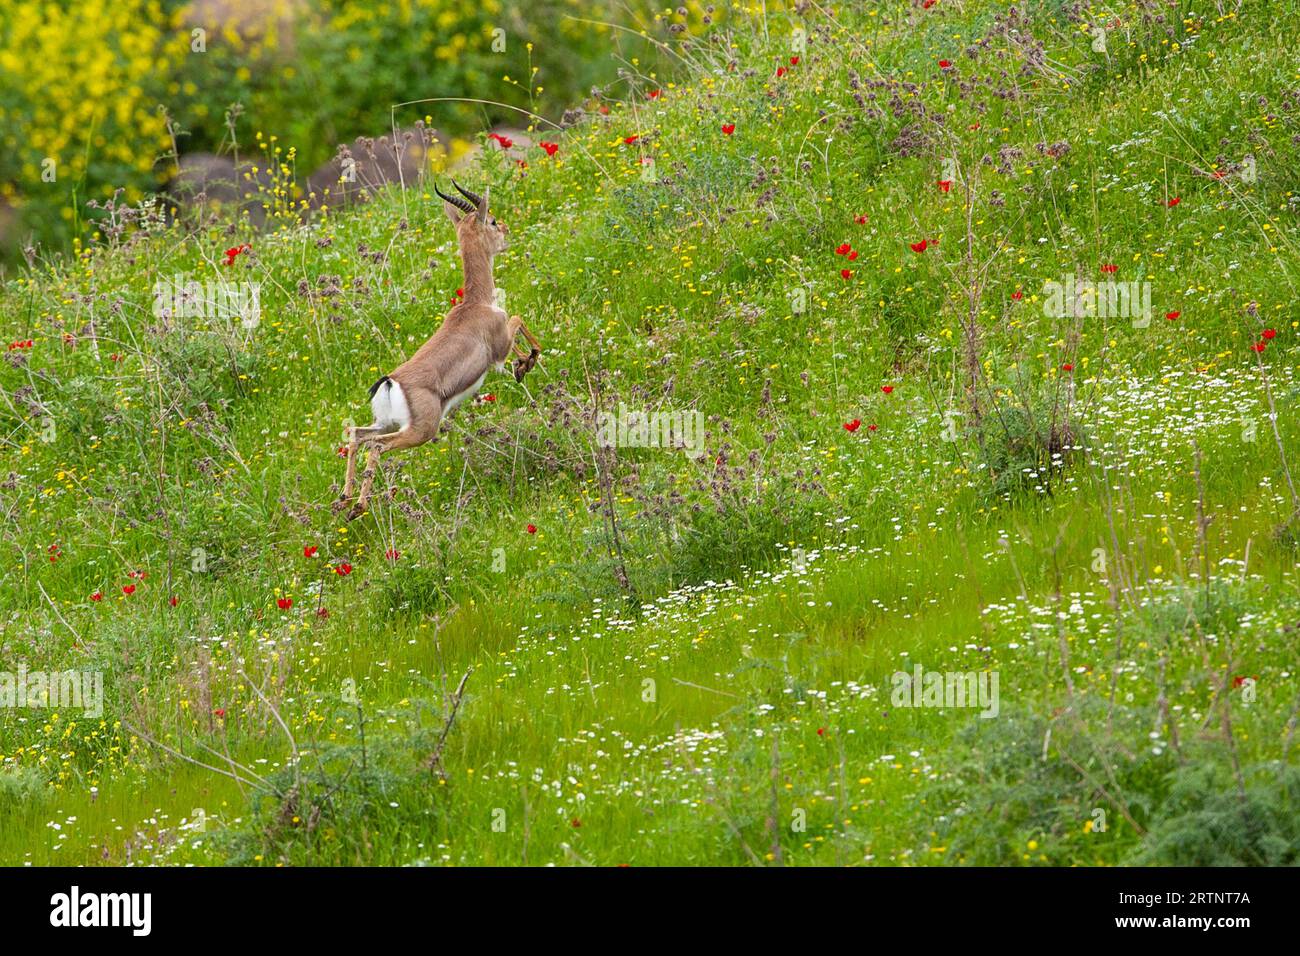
x: 357, y: 511
x: 525, y: 365
x: 340, y: 503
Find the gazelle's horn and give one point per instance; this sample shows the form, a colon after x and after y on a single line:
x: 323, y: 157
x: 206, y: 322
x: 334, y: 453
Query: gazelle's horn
x: 476, y: 199
x: 456, y: 201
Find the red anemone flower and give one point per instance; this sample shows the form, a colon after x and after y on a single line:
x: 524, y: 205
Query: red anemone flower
x: 235, y: 252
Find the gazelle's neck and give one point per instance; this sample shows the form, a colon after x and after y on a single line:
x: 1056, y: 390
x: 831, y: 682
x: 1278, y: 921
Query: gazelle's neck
x: 479, y: 286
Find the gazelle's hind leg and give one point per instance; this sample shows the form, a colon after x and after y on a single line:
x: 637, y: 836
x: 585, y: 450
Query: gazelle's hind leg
x: 373, y: 452
x: 358, y: 435
x: 426, y: 417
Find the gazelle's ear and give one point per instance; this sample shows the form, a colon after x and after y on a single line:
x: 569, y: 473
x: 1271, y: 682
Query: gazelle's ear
x: 453, y: 213
x: 483, y: 206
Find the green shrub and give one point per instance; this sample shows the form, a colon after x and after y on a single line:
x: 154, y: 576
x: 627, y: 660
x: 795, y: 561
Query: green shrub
x: 21, y: 789
x: 1208, y: 820
x: 1028, y: 446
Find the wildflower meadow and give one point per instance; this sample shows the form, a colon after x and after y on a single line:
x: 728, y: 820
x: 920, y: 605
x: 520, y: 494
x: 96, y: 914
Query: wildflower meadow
x: 904, y: 475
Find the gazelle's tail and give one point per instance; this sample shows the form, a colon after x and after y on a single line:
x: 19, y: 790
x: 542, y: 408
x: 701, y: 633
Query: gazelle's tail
x: 388, y: 405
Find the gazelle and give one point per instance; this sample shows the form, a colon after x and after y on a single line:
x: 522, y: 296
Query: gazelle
x: 410, y: 402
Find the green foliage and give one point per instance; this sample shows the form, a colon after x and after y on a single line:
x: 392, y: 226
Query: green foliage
x: 204, y: 369
x: 1209, y: 819
x: 420, y: 589
x: 344, y: 803
x: 1004, y: 802
x: 22, y: 789
x: 313, y: 74
x: 719, y: 692
x: 1027, y: 445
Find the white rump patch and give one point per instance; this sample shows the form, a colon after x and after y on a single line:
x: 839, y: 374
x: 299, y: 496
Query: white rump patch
x: 389, y: 407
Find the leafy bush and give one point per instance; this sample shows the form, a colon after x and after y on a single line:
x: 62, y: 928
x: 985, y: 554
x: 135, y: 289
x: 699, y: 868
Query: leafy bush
x: 78, y: 108
x: 1002, y: 794
x: 1027, y: 446
x: 21, y: 789
x: 1208, y: 820
x: 345, y: 803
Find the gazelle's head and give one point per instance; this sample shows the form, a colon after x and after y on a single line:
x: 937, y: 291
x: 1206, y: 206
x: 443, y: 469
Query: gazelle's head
x: 476, y: 227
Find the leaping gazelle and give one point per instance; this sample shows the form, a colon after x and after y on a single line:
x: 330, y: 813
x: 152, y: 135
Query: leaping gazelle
x: 410, y: 402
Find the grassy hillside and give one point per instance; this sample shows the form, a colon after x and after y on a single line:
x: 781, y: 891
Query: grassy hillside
x: 840, y: 252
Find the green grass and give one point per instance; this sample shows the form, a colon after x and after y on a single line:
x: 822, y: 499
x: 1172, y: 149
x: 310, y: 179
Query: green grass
x: 731, y: 703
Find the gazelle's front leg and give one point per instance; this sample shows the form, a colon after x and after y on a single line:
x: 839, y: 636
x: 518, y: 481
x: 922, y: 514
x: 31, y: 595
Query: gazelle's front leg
x: 532, y: 339
x: 524, y: 364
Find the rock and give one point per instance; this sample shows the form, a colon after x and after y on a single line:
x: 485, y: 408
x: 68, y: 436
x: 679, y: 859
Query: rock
x: 214, y: 182
x: 8, y: 222
x: 369, y: 164
x: 251, y: 19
